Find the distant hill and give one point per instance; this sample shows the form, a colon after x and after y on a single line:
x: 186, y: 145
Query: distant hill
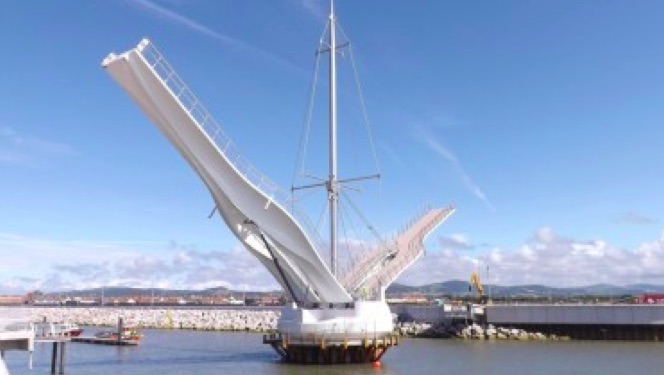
x: 128, y: 291
x: 451, y: 288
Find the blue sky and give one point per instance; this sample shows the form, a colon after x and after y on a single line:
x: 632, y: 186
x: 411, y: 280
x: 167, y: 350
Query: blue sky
x: 541, y: 121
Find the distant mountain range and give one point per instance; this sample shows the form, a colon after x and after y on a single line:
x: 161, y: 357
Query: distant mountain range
x: 460, y: 288
x: 450, y: 288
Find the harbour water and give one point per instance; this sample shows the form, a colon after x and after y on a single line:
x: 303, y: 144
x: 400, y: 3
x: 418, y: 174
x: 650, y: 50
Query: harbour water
x: 167, y: 352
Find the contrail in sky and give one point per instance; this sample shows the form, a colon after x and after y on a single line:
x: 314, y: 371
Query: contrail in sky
x: 314, y: 7
x: 468, y: 182
x: 179, y: 19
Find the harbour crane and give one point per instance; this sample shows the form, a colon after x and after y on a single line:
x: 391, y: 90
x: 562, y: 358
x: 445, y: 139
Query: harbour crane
x: 475, y: 281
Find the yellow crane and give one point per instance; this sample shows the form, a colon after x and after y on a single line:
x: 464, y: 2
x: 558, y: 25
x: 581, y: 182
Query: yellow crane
x: 475, y: 281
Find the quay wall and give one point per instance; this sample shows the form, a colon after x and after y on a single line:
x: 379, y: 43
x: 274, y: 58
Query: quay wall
x: 593, y: 322
x: 579, y: 322
x: 542, y: 314
x: 576, y: 314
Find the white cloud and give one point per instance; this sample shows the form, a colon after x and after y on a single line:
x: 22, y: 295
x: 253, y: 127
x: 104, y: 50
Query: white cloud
x: 448, y: 155
x: 548, y: 259
x: 634, y: 218
x: 63, y: 265
x: 546, y: 235
x: 455, y: 242
x: 30, y: 252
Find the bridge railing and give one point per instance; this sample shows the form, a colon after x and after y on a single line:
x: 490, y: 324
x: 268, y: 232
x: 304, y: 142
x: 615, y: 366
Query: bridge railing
x: 192, y: 105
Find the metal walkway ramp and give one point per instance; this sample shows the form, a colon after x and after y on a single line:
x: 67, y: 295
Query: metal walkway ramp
x: 371, y: 276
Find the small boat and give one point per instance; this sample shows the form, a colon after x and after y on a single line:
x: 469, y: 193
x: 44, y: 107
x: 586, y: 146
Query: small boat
x: 74, y: 330
x: 128, y: 334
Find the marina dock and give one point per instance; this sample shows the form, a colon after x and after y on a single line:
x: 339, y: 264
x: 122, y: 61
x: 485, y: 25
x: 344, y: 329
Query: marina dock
x: 122, y: 336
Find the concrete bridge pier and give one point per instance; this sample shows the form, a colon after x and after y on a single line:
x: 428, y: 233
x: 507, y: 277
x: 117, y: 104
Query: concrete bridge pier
x: 3, y: 367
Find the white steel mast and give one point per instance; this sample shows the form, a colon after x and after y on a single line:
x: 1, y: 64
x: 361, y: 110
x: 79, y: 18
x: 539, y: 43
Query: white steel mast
x: 332, y: 184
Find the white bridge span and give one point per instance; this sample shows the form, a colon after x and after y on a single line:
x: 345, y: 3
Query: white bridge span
x: 264, y: 226
x: 254, y: 208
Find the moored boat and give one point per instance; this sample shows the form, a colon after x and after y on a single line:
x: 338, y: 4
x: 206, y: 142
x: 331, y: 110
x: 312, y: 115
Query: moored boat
x: 127, y: 334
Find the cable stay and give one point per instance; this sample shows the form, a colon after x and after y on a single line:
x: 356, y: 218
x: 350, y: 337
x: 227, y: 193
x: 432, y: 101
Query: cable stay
x: 301, y: 168
x: 366, y: 222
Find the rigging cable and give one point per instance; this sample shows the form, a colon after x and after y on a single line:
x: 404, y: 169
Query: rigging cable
x: 346, y: 241
x: 322, y: 216
x: 353, y: 260
x: 366, y: 222
x: 362, y: 104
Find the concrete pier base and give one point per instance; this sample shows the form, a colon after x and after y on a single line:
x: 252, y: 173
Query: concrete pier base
x: 3, y: 368
x: 322, y: 351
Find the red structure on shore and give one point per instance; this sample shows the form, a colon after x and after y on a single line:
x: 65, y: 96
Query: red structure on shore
x: 650, y: 298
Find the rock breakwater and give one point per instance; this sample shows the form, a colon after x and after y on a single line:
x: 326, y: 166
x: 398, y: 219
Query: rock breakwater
x: 257, y: 321
x: 199, y: 319
x: 469, y: 331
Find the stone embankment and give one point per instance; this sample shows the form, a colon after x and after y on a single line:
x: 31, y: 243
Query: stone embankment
x: 472, y: 331
x: 256, y: 321
x: 203, y: 319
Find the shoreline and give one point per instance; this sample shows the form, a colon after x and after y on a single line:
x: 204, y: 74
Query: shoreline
x: 260, y: 320
x: 470, y: 331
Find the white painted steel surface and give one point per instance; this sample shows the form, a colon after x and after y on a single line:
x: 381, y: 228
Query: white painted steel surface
x: 366, y: 320
x: 3, y: 368
x: 372, y: 275
x: 332, y: 183
x: 251, y: 208
x: 247, y: 210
